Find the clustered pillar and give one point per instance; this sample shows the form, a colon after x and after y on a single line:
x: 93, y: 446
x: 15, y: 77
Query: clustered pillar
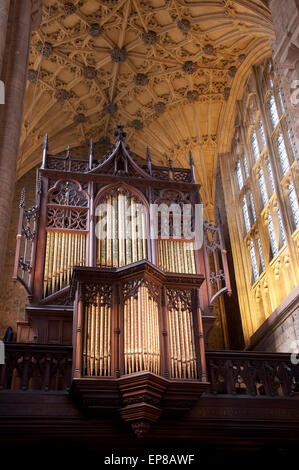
x: 17, y: 19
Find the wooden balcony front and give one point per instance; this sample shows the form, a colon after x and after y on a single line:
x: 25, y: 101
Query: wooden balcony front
x: 251, y: 399
x: 42, y: 367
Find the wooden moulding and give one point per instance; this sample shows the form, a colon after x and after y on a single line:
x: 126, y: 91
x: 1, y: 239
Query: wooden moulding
x: 90, y: 274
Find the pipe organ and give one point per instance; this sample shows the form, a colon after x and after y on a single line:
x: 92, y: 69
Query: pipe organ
x: 86, y: 252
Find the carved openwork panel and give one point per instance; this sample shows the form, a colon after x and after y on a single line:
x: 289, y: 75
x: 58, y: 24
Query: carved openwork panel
x: 78, y: 166
x: 26, y: 240
x: 68, y: 193
x: 70, y: 219
x: 56, y: 163
x: 130, y: 289
x: 216, y: 263
x: 93, y: 293
x: 255, y: 376
x: 178, y: 298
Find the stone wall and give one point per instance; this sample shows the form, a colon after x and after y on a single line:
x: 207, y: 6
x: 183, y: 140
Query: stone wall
x: 13, y: 296
x: 280, y: 332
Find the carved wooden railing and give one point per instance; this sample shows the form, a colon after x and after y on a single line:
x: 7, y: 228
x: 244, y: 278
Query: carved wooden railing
x: 36, y: 367
x: 235, y: 373
x: 252, y: 373
x: 84, y: 165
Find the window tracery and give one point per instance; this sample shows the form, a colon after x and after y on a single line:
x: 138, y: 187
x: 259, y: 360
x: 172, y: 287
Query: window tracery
x: 265, y: 140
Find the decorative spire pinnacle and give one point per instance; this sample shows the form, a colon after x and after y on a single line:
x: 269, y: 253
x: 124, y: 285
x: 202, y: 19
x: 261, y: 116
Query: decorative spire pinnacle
x: 45, y: 146
x: 45, y: 151
x: 22, y: 199
x: 39, y: 185
x: 149, y: 160
x: 193, y: 180
x: 90, y: 154
x: 119, y: 133
x: 191, y: 158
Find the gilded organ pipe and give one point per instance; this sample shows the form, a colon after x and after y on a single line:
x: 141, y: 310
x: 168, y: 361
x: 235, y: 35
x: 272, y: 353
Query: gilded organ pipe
x: 97, y: 339
x: 125, y: 239
x: 64, y: 250
x: 141, y: 333
x: 176, y: 256
x: 181, y: 342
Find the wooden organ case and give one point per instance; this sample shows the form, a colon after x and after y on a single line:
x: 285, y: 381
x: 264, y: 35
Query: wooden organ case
x: 136, y: 308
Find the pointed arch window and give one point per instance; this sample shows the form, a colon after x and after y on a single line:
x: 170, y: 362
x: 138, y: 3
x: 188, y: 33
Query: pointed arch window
x: 282, y: 232
x: 255, y: 148
x: 273, y: 112
x: 273, y: 241
x: 252, y: 206
x: 291, y: 142
x: 294, y: 205
x: 283, y: 156
x: 245, y: 166
x: 281, y: 101
x: 246, y: 215
x: 262, y: 132
x: 263, y: 187
x: 255, y: 270
x: 270, y: 175
x: 239, y: 175
x: 261, y: 253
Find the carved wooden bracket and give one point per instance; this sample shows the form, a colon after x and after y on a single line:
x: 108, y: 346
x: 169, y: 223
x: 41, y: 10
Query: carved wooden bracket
x: 139, y: 398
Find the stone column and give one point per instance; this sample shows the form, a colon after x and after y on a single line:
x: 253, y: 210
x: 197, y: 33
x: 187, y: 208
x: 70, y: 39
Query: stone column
x: 285, y: 46
x: 4, y: 11
x: 14, y: 73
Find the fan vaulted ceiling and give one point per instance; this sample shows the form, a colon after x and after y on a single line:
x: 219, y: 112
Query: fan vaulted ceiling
x: 168, y: 70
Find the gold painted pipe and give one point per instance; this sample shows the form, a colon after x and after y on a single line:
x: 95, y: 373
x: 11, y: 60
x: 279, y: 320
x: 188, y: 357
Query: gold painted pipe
x: 46, y: 264
x: 51, y: 253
